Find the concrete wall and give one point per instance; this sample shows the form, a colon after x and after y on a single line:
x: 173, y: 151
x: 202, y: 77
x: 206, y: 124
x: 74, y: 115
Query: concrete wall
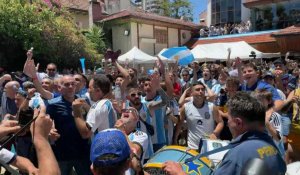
x: 173, y: 37
x: 134, y: 34
x: 141, y: 32
x: 146, y: 31
x: 120, y: 41
x: 208, y: 17
x: 82, y: 20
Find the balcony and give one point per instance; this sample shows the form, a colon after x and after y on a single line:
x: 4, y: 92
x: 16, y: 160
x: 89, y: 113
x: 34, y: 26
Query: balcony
x: 253, y: 3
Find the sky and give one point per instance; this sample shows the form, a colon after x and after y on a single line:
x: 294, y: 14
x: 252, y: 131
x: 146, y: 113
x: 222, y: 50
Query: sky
x: 198, y: 6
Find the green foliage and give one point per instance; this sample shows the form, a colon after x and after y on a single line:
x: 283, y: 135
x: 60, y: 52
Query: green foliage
x: 51, y: 31
x: 96, y: 36
x: 177, y: 9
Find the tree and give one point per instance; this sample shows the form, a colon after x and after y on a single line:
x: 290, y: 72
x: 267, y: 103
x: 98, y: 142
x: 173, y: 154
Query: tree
x: 51, y: 31
x: 96, y: 36
x: 177, y: 9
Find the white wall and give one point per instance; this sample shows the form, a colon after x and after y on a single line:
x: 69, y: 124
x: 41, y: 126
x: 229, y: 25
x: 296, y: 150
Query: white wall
x: 208, y: 16
x: 146, y: 31
x: 120, y: 41
x: 173, y: 37
x: 133, y: 34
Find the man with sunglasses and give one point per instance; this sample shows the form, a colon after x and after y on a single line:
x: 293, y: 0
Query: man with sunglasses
x: 138, y: 140
x: 145, y: 119
x: 51, y: 72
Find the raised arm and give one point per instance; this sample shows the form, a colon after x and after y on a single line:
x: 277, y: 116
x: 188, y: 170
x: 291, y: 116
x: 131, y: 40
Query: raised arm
x: 228, y: 63
x: 182, y: 117
x: 125, y: 74
x: 80, y: 122
x: 30, y: 70
x: 40, y: 129
x: 155, y: 83
x: 220, y: 124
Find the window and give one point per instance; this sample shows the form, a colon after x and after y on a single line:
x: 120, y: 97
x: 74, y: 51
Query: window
x: 161, y: 36
x: 223, y: 5
x: 230, y: 4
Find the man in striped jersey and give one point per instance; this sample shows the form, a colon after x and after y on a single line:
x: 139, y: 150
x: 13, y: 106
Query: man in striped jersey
x: 138, y: 140
x: 157, y: 100
x: 101, y: 114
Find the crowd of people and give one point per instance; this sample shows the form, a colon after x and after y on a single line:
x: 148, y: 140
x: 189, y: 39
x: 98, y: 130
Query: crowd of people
x: 226, y: 29
x: 111, y: 121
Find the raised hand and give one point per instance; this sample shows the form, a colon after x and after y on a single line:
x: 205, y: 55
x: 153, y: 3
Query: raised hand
x: 155, y: 81
x: 42, y: 126
x: 8, y: 127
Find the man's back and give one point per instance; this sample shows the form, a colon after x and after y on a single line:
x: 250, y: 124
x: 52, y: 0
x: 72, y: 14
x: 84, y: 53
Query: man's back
x: 249, y: 146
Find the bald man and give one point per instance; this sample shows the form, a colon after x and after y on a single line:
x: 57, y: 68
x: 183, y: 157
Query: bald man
x: 8, y: 105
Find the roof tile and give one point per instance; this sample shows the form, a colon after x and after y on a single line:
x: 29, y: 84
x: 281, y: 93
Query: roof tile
x: 293, y: 30
x: 148, y: 16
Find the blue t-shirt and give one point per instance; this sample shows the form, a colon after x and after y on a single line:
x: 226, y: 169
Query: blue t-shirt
x: 248, y: 146
x: 70, y: 145
x: 262, y: 85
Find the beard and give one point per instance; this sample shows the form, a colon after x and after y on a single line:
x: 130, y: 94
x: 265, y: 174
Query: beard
x: 136, y: 102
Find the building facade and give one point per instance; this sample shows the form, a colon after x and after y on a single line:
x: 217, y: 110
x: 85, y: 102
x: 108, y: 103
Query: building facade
x: 220, y: 12
x: 149, y: 32
x: 267, y: 15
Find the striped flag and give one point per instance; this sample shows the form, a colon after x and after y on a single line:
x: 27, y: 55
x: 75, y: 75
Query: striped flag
x: 181, y: 54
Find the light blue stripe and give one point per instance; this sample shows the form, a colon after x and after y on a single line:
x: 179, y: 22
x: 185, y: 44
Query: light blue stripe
x: 171, y: 52
x: 186, y: 60
x: 237, y: 35
x: 111, y: 118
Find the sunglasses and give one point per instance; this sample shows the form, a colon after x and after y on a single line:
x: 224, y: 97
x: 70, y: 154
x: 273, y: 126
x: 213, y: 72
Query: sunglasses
x: 134, y: 95
x: 51, y: 69
x: 128, y: 111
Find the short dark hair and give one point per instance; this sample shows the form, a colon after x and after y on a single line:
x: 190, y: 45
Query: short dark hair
x: 251, y: 65
x: 102, y: 82
x: 244, y: 106
x: 117, y: 169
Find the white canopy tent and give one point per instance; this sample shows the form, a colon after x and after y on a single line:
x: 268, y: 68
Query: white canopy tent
x: 136, y: 56
x: 219, y: 51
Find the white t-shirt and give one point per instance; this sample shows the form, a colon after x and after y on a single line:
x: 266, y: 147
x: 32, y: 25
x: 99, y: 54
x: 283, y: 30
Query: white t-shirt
x: 101, y: 115
x: 140, y: 138
x: 200, y: 122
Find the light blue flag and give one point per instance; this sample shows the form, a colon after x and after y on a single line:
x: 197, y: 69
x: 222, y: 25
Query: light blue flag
x: 82, y: 65
x: 182, y: 54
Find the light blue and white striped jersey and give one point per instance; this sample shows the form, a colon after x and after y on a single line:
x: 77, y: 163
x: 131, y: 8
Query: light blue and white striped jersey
x: 145, y: 115
x: 101, y: 115
x: 158, y: 117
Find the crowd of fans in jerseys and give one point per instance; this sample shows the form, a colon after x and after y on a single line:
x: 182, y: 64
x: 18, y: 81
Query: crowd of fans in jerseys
x: 116, y: 117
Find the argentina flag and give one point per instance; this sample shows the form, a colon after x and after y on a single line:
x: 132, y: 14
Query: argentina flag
x: 182, y: 54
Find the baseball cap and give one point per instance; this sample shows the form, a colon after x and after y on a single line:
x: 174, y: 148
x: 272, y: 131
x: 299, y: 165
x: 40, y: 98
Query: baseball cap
x: 109, y: 147
x: 268, y: 74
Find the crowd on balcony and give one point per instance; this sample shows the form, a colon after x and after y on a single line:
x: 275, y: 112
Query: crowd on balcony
x: 226, y: 29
